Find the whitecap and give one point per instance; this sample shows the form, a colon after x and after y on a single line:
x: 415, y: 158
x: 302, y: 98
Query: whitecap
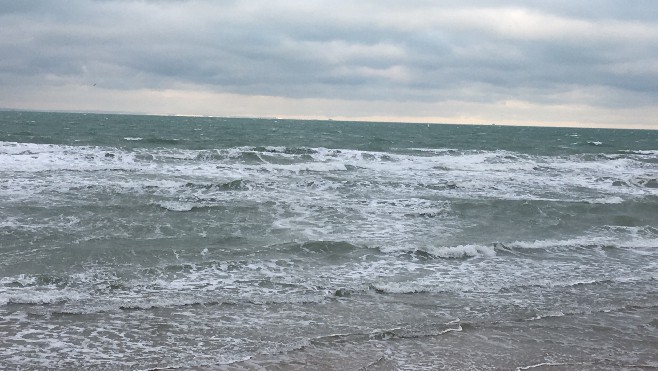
x: 177, y: 205
x: 462, y: 251
x: 606, y: 200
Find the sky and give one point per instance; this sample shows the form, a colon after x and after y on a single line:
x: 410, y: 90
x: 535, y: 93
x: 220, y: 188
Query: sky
x: 557, y: 62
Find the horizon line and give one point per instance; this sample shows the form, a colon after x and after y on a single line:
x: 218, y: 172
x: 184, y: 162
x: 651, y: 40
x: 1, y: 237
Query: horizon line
x: 392, y: 120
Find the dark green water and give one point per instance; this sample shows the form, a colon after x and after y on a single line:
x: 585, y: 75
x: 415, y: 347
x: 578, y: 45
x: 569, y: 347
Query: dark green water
x: 198, y: 133
x: 140, y: 242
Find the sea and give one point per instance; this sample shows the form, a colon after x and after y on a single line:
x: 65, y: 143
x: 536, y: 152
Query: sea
x: 133, y: 242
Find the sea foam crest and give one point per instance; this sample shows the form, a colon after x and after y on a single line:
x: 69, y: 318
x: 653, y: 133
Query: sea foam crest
x: 462, y: 251
x: 449, y: 252
x: 177, y: 205
x: 470, y: 173
x: 631, y: 240
x: 40, y: 296
x: 30, y: 157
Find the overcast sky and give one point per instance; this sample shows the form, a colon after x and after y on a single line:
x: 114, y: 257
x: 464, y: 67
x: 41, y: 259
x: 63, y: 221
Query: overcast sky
x: 557, y: 62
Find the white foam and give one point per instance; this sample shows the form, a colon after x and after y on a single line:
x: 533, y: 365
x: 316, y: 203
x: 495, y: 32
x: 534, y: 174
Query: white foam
x: 606, y: 200
x: 642, y: 152
x: 619, y: 241
x: 39, y: 296
x: 399, y: 287
x: 550, y: 364
x: 459, y: 251
x: 30, y: 157
x: 462, y: 251
x: 432, y: 150
x: 177, y: 205
x: 471, y: 174
x: 397, y: 201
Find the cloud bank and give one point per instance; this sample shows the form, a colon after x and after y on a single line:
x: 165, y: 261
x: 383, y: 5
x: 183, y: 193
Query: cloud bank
x: 509, y: 62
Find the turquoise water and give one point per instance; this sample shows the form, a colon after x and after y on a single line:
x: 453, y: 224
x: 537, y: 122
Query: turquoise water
x: 140, y: 242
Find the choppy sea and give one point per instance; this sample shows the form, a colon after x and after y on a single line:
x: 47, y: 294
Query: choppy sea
x: 145, y: 242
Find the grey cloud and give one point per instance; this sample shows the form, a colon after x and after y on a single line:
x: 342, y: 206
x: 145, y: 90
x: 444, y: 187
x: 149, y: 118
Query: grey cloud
x: 385, y: 50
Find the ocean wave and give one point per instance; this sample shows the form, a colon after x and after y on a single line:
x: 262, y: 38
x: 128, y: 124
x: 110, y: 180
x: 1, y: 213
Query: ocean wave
x: 606, y: 200
x: 645, y: 182
x: 401, y: 288
x: 469, y: 174
x: 402, y: 332
x: 172, y: 300
x: 237, y: 184
x: 155, y: 140
x: 40, y: 296
x: 179, y: 206
x: 291, y: 150
x: 441, y: 151
x: 194, y: 289
x: 605, y: 309
x: 30, y: 157
x: 447, y: 252
x: 576, y: 283
x: 640, y: 152
x: 324, y: 247
x: 630, y: 241
x: 198, y: 204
